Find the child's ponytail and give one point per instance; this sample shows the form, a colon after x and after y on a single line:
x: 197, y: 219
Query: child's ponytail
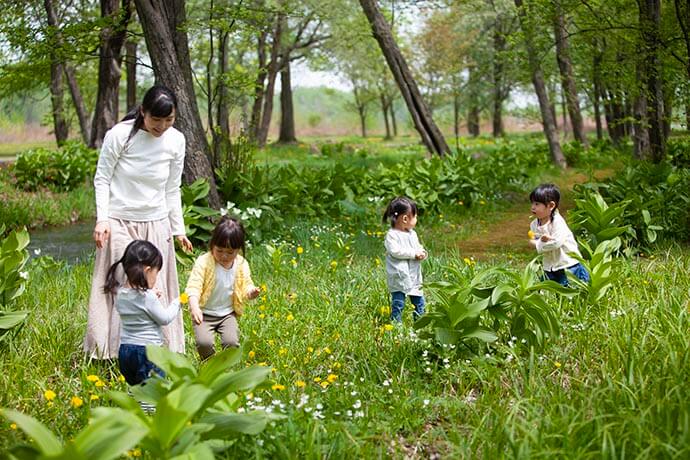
x: 111, y: 282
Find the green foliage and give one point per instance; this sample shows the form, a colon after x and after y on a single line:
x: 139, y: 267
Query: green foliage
x: 58, y: 170
x: 490, y: 304
x: 13, y: 258
x: 600, y: 265
x: 196, y: 413
x: 658, y: 202
x: 598, y: 221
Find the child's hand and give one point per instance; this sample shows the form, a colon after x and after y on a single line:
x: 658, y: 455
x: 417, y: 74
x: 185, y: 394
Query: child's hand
x: 422, y: 255
x: 253, y: 293
x: 546, y: 238
x: 197, y: 315
x: 158, y: 292
x: 533, y: 242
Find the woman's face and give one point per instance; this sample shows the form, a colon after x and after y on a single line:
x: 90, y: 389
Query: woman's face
x: 156, y: 126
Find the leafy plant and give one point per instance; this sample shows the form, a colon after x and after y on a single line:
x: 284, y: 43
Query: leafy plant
x: 58, y: 170
x: 13, y: 258
x: 597, y: 220
x: 599, y: 264
x: 196, y: 414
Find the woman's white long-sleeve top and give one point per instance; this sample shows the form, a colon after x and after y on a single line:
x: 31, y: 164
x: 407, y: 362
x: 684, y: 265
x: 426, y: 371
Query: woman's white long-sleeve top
x: 403, y: 270
x: 139, y: 180
x: 556, y: 250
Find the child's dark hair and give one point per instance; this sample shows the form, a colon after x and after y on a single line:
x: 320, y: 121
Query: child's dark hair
x: 399, y: 206
x: 159, y: 101
x: 138, y: 255
x: 544, y: 194
x: 229, y: 233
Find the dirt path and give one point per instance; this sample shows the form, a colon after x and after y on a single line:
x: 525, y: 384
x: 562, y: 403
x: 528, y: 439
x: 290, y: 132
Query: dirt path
x: 507, y: 231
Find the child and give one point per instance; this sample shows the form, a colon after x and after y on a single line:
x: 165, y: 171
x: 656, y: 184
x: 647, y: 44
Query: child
x: 551, y: 236
x: 219, y: 284
x: 141, y: 312
x: 403, y: 257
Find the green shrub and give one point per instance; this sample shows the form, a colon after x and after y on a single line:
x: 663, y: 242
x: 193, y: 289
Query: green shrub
x: 13, y: 258
x: 58, y: 170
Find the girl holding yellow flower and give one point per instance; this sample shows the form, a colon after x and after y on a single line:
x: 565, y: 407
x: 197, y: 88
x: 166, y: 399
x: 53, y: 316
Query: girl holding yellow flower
x: 551, y: 236
x: 218, y: 286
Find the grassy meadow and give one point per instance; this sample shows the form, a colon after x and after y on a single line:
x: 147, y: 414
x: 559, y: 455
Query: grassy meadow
x: 612, y: 384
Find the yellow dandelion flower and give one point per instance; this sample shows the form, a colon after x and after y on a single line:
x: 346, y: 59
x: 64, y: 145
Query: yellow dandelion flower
x: 49, y: 395
x: 289, y: 317
x: 94, y: 398
x: 377, y: 261
x: 251, y: 354
x: 92, y: 378
x: 388, y: 327
x: 467, y: 261
x: 530, y: 235
x: 282, y: 351
x: 482, y: 202
x: 300, y: 249
x: 13, y: 426
x: 300, y: 384
x: 100, y: 384
x: 76, y: 402
x: 327, y: 350
x: 310, y: 349
x: 262, y: 307
x: 263, y: 363
x: 332, y: 378
x: 136, y: 452
x: 262, y: 315
x: 337, y: 365
x: 293, y: 262
x: 184, y: 298
x: 278, y: 387
x: 385, y: 310
x: 121, y: 378
x: 334, y: 264
x: 271, y: 342
x: 317, y: 379
x: 324, y: 384
x: 264, y: 288
x: 557, y: 364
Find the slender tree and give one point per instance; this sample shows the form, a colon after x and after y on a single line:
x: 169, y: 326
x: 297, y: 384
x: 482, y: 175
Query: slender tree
x: 166, y: 39
x: 419, y: 111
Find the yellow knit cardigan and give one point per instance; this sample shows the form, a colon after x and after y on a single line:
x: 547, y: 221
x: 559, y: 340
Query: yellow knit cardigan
x: 203, y: 279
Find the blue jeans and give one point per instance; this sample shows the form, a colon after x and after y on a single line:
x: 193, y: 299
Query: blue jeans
x: 134, y: 364
x: 560, y: 276
x: 398, y: 303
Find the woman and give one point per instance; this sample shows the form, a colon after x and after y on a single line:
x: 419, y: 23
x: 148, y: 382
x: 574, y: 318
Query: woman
x: 137, y: 186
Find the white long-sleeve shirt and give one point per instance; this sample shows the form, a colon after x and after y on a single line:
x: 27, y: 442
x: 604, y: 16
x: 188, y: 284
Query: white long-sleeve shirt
x: 403, y: 270
x: 556, y: 250
x: 142, y: 315
x: 140, y: 180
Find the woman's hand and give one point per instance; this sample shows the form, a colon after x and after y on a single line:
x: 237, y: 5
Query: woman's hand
x: 185, y: 244
x: 101, y: 233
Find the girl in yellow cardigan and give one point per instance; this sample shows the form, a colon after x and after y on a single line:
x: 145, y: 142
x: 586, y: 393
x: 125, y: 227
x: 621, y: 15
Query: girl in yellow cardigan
x: 219, y: 284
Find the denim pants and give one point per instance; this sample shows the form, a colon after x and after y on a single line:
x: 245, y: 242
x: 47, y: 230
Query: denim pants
x: 134, y: 365
x: 560, y: 276
x: 398, y: 304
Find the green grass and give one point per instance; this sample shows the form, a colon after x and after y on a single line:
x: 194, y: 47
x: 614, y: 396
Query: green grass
x: 613, y: 384
x: 11, y: 150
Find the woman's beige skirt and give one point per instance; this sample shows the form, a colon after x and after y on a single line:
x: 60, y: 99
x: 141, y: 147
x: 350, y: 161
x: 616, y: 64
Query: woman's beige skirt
x: 102, y: 338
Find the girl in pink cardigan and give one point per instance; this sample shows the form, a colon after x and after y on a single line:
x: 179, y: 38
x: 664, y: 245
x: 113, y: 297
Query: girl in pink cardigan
x: 218, y: 286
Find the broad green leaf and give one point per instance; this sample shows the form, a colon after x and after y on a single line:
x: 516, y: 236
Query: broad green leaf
x: 481, y: 333
x: 231, y: 425
x: 175, y: 364
x: 219, y: 363
x: 110, y: 434
x: 175, y: 410
x: 45, y: 440
x: 10, y: 319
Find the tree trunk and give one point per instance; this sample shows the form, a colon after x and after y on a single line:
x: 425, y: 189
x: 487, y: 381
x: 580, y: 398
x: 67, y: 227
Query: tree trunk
x: 650, y: 19
x: 456, y: 117
x: 223, y: 114
x: 548, y: 120
x: 419, y: 111
x: 274, y: 66
x: 255, y: 120
x: 473, y: 121
x: 567, y: 78
x: 78, y: 102
x: 684, y: 23
x: 106, y: 113
x: 498, y: 77
x: 394, y: 122
x: 384, y: 111
x: 640, y: 133
x: 60, y: 128
x: 166, y: 40
x: 596, y: 81
x: 131, y: 68
x: 473, y: 110
x: 287, y: 110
